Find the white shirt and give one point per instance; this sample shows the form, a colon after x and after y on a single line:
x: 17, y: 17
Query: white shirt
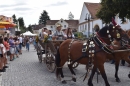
x: 20, y: 39
x: 4, y: 49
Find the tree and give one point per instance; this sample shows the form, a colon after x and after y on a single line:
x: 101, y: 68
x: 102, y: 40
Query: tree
x: 71, y: 16
x: 29, y: 28
x: 110, y: 8
x: 44, y: 17
x: 21, y: 21
x: 14, y: 19
x: 21, y: 24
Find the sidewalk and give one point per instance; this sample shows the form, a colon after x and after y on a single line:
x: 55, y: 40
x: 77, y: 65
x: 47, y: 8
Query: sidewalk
x: 0, y: 78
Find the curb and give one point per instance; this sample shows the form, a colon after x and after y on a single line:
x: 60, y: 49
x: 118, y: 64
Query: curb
x: 1, y: 79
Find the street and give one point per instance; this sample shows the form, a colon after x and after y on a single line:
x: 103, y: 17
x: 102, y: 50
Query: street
x: 27, y: 71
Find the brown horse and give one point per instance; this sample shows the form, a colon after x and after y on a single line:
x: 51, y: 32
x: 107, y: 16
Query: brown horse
x: 117, y: 56
x: 77, y: 53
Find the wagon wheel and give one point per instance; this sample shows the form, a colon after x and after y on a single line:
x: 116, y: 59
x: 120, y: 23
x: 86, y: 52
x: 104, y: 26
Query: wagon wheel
x: 50, y: 62
x: 75, y: 65
x: 39, y: 53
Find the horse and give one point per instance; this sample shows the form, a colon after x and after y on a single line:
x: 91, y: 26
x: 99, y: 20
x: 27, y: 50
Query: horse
x: 117, y: 56
x: 77, y: 51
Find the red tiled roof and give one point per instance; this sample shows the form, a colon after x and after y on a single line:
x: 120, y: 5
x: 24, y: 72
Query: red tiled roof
x: 72, y: 23
x: 93, y: 8
x: 37, y: 27
x: 51, y: 22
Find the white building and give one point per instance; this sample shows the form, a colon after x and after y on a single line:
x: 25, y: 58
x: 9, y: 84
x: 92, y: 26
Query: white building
x: 37, y: 28
x: 73, y: 24
x: 90, y: 10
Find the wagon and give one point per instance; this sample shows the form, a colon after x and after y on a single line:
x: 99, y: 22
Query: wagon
x: 46, y: 53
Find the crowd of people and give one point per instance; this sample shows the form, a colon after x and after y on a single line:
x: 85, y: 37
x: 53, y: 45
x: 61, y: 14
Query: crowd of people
x: 11, y: 48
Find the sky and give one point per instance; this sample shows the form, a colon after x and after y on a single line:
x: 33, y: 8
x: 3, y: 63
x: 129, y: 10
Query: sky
x: 31, y: 10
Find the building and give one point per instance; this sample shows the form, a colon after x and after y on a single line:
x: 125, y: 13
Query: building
x: 37, y: 28
x: 88, y: 21
x: 51, y: 24
x: 7, y: 23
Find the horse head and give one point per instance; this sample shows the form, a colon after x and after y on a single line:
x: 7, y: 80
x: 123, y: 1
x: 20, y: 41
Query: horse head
x: 113, y: 31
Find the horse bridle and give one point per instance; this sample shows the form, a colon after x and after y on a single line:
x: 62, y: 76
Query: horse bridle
x: 109, y: 36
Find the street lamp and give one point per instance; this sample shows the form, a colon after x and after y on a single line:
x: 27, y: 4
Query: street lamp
x: 88, y: 18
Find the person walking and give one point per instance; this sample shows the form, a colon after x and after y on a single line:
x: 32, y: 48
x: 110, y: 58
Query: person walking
x: 27, y: 44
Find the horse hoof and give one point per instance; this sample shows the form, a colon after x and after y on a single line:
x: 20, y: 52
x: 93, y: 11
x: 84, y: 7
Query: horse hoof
x: 129, y: 75
x: 64, y: 82
x: 118, y: 80
x: 74, y: 79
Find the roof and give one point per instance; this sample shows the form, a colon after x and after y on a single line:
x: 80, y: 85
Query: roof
x: 73, y: 23
x: 93, y: 8
x: 70, y: 22
x: 51, y: 22
x: 37, y: 27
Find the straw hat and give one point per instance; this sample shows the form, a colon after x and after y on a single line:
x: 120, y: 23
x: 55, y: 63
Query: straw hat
x: 58, y: 25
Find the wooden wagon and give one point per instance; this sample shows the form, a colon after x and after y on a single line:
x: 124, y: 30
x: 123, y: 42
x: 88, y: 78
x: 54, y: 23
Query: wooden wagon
x: 47, y: 51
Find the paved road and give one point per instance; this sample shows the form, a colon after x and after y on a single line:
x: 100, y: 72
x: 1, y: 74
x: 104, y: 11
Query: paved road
x: 27, y: 71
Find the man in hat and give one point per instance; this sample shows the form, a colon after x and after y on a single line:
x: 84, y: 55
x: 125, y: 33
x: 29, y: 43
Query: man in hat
x: 58, y: 34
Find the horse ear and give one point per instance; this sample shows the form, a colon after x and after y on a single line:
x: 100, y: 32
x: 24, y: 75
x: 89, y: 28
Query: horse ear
x: 113, y: 22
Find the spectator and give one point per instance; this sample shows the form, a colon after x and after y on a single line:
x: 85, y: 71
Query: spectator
x: 17, y: 50
x: 20, y: 44
x: 12, y: 48
x: 2, y: 56
x: 7, y: 46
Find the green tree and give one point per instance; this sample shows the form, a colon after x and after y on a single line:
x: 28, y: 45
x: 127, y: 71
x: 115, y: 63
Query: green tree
x: 44, y: 17
x: 21, y: 21
x: 29, y: 28
x: 21, y: 24
x: 14, y: 19
x: 110, y: 8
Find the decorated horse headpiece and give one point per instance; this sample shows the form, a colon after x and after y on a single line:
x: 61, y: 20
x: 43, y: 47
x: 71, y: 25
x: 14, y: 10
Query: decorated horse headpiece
x: 115, y: 25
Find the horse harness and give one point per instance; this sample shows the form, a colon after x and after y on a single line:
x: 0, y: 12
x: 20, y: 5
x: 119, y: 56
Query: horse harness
x: 90, y: 47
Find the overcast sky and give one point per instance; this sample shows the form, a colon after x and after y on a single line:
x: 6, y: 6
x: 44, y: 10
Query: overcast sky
x: 30, y: 10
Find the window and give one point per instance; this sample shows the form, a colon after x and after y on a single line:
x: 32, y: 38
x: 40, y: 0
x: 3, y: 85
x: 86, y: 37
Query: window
x: 64, y: 26
x: 61, y: 21
x: 51, y: 26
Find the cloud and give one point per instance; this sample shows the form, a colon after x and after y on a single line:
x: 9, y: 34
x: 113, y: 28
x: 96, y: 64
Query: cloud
x: 12, y: 5
x: 17, y: 9
x: 22, y: 9
x: 57, y: 4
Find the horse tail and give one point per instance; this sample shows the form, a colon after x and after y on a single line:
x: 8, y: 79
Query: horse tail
x: 57, y: 62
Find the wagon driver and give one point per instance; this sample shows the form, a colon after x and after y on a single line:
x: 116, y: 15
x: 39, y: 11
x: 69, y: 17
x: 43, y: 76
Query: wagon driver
x: 59, y: 34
